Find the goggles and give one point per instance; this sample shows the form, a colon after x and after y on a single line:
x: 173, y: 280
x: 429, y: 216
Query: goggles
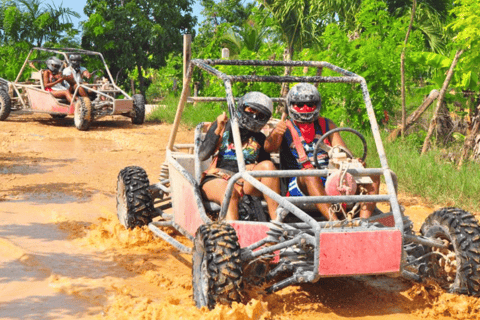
x: 255, y: 114
x: 305, y: 106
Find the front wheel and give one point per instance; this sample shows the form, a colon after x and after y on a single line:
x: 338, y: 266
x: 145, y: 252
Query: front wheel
x: 83, y: 116
x: 138, y: 115
x: 134, y: 203
x: 456, y: 268
x: 216, y: 266
x: 5, y: 105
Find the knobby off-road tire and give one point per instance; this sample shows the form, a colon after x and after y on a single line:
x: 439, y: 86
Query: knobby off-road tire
x: 83, y: 116
x: 461, y: 231
x: 134, y: 202
x: 138, y: 115
x: 5, y: 105
x: 217, y: 268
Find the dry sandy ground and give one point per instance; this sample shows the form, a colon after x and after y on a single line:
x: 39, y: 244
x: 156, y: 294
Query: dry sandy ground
x: 63, y: 255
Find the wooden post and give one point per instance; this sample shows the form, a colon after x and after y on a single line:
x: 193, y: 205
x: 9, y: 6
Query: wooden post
x: 187, y: 56
x: 433, y: 123
x: 132, y: 84
x: 195, y: 91
x: 225, y: 53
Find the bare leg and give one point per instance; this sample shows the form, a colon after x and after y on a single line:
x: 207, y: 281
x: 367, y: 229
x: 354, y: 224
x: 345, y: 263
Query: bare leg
x: 63, y: 94
x: 367, y: 208
x: 214, y: 190
x: 272, y: 183
x: 313, y: 186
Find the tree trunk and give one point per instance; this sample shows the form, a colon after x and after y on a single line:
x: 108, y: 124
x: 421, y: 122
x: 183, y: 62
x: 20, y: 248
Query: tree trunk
x: 472, y: 141
x: 141, y: 80
x: 415, y: 115
x: 433, y: 123
x: 444, y: 123
x: 287, y: 56
x: 402, y: 69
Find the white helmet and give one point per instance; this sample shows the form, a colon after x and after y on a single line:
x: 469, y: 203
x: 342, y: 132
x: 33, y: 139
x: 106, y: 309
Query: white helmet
x: 257, y: 101
x: 301, y: 94
x: 54, y: 64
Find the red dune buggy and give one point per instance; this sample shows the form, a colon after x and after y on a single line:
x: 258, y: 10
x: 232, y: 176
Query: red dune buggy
x: 299, y: 245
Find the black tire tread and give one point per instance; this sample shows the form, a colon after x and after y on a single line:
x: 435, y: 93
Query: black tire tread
x: 464, y: 232
x: 138, y: 199
x: 5, y: 105
x: 139, y: 109
x: 222, y: 250
x: 85, y: 117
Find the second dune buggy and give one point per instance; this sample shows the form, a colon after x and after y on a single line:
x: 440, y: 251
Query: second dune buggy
x: 30, y: 96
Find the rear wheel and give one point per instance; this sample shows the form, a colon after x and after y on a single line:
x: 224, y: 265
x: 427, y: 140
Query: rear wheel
x: 456, y: 268
x: 58, y: 116
x: 5, y: 105
x: 134, y: 203
x: 138, y: 116
x: 216, y: 266
x: 83, y: 116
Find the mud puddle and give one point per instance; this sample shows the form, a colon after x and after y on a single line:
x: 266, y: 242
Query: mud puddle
x: 64, y: 255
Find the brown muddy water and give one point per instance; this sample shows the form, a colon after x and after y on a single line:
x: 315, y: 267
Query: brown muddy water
x: 63, y: 254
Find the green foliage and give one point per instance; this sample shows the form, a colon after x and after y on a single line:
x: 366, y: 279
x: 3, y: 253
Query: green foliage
x: 12, y: 58
x: 372, y: 52
x: 137, y: 35
x: 30, y: 21
x: 166, y: 80
x: 192, y: 115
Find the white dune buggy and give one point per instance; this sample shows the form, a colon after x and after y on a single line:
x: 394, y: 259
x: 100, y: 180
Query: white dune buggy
x: 31, y: 97
x: 299, y: 246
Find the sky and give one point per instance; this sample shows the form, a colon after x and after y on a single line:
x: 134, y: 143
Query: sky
x: 78, y: 5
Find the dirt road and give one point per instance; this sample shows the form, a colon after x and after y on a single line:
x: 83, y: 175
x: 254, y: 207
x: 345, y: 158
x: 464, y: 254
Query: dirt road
x: 63, y: 254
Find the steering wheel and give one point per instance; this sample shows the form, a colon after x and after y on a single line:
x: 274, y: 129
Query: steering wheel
x: 322, y: 146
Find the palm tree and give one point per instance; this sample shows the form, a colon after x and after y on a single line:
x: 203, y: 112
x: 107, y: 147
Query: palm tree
x: 431, y: 19
x: 248, y: 36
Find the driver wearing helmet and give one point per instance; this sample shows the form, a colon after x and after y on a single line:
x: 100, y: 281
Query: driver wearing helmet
x: 297, y: 138
x: 75, y: 73
x: 52, y: 79
x: 253, y: 111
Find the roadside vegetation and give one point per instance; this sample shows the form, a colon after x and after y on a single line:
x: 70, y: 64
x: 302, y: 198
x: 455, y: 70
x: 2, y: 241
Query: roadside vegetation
x: 404, y: 50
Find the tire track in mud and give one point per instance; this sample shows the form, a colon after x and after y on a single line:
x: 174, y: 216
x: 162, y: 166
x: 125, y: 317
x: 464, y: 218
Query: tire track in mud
x: 57, y: 189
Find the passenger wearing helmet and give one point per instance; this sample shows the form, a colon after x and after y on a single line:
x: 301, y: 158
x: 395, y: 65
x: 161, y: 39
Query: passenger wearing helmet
x: 52, y: 79
x: 75, y: 73
x: 297, y: 138
x: 253, y: 111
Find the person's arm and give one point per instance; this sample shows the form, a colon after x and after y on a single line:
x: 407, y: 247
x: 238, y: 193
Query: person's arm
x: 335, y: 138
x: 85, y: 73
x: 274, y: 140
x: 208, y: 146
x: 46, y: 79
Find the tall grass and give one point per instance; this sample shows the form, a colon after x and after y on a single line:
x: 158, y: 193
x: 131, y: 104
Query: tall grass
x: 192, y: 115
x: 431, y: 176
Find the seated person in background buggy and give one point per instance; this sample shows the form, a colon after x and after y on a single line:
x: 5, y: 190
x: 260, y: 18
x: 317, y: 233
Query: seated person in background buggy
x: 75, y: 73
x: 52, y: 79
x: 298, y: 136
x: 253, y: 111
